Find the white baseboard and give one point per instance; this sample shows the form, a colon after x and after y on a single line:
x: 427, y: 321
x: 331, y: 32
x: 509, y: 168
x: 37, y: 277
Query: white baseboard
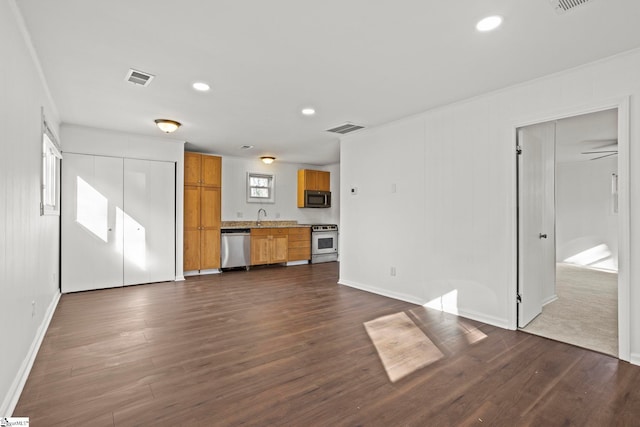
x: 201, y: 272
x: 303, y: 262
x: 634, y: 359
x: 549, y: 300
x: 179, y: 279
x: 13, y: 394
x: 384, y: 292
x: 479, y: 317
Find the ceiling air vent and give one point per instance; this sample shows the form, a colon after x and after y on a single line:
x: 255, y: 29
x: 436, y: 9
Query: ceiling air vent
x: 345, y: 128
x: 562, y: 6
x: 139, y: 77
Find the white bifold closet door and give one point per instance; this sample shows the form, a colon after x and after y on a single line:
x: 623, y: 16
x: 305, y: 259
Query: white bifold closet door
x: 118, y: 222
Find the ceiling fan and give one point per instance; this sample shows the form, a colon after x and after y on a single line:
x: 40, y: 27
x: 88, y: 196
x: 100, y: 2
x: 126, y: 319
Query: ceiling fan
x: 603, y: 151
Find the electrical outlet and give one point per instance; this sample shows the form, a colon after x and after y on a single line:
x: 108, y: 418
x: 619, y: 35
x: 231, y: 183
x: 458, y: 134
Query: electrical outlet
x: 393, y: 271
x: 33, y: 308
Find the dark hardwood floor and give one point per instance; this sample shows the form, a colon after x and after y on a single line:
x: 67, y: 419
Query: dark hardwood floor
x: 287, y: 347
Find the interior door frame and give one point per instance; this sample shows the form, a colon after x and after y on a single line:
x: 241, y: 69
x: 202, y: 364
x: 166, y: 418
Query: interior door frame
x: 624, y: 216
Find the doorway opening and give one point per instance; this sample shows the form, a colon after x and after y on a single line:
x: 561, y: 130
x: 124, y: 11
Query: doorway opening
x: 568, y: 230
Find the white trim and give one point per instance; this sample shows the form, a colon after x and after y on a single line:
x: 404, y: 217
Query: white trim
x: 624, y: 233
x: 472, y: 315
x: 549, y: 300
x: 480, y: 317
x: 624, y: 229
x: 201, y: 272
x: 383, y: 292
x: 13, y: 394
x: 635, y: 358
x: 301, y: 262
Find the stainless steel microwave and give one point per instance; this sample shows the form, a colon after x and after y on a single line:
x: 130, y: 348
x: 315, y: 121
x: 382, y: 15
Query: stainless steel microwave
x: 317, y: 199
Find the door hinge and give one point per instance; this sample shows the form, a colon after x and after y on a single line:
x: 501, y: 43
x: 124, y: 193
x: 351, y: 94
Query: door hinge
x: 518, y: 298
x: 518, y: 150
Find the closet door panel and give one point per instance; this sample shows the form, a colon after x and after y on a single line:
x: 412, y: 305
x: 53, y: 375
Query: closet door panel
x: 149, y: 221
x: 92, y: 222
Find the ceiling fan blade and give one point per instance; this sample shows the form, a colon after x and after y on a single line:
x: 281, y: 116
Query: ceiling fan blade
x: 606, y: 155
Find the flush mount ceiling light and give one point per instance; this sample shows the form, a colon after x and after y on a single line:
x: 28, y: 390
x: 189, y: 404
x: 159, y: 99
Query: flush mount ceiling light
x: 267, y: 160
x: 200, y: 86
x: 167, y: 125
x: 246, y: 147
x: 308, y: 111
x: 489, y: 23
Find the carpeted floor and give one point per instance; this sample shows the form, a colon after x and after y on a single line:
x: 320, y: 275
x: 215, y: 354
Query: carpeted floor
x: 586, y: 311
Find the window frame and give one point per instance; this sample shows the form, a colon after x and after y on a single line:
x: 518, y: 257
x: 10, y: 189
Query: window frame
x: 50, y: 171
x: 271, y: 188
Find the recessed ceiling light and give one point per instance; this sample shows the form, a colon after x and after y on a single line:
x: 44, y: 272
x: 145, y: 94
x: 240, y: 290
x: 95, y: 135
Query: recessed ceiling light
x: 308, y: 111
x: 489, y: 23
x: 202, y: 87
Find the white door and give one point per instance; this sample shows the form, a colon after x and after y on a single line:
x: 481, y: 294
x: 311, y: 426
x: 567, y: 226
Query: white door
x: 91, y: 240
x: 536, y: 219
x: 149, y: 221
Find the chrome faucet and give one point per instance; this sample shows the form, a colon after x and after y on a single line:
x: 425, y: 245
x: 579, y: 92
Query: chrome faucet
x: 265, y: 215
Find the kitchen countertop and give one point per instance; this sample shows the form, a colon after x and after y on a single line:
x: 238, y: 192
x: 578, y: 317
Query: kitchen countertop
x: 263, y: 224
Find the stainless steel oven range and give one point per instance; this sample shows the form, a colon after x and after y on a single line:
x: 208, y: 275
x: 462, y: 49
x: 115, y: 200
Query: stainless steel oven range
x: 324, y: 243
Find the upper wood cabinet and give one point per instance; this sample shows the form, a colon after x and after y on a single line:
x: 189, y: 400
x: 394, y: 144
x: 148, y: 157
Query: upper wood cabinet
x: 202, y: 169
x: 314, y: 180
x: 309, y: 179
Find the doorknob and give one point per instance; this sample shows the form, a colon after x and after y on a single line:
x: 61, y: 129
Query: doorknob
x: 543, y: 236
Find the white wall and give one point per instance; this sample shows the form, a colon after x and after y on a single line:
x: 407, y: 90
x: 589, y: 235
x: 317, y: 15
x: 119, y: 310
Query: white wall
x: 87, y: 140
x: 29, y: 242
x: 234, y: 192
x: 584, y: 217
x: 458, y: 162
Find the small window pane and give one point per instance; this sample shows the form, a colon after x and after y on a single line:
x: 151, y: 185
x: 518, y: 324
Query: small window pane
x: 260, y: 188
x: 50, y: 200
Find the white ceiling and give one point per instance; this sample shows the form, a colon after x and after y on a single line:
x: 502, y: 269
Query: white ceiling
x: 368, y: 62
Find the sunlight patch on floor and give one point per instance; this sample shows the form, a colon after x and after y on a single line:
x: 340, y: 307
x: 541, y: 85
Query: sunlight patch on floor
x: 403, y: 348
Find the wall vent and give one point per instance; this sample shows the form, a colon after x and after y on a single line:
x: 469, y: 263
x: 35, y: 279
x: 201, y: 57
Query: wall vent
x: 562, y: 6
x: 345, y: 128
x: 139, y: 77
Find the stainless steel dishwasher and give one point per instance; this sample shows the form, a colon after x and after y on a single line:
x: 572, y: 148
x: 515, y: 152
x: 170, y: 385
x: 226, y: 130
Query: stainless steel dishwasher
x: 235, y: 247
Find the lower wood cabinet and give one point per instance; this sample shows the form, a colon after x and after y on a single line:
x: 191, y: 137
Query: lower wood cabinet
x: 299, y: 244
x: 269, y: 245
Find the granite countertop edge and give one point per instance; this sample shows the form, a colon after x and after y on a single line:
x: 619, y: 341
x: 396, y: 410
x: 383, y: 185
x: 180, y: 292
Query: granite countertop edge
x: 263, y: 224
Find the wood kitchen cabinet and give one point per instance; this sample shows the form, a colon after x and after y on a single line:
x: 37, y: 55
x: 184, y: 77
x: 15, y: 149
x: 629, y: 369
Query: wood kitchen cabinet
x: 202, y: 201
x: 269, y: 245
x: 202, y: 170
x: 313, y: 180
x: 299, y: 244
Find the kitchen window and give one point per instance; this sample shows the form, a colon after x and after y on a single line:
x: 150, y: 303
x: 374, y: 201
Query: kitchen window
x: 50, y: 184
x: 260, y: 188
